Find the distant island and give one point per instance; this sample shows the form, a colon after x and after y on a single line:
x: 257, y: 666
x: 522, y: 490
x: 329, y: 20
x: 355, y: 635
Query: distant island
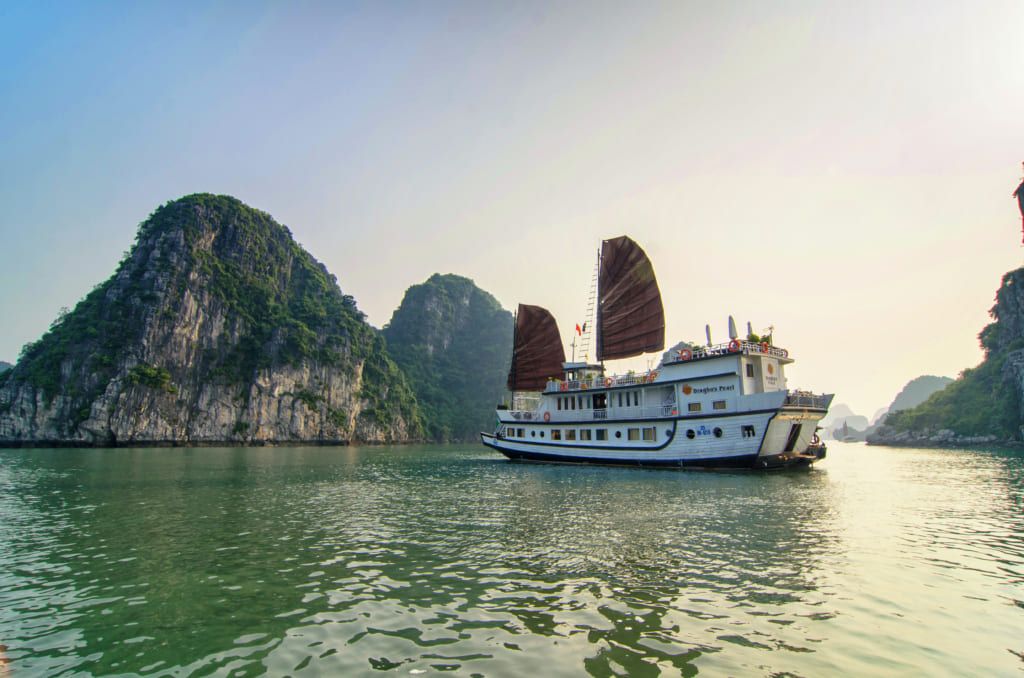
x: 842, y: 424
x: 983, y: 405
x: 453, y: 341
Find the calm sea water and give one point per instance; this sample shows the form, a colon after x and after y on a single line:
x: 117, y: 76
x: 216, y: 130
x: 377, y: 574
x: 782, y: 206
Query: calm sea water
x: 422, y: 560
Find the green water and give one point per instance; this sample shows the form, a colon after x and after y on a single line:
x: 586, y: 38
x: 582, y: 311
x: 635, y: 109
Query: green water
x: 417, y: 561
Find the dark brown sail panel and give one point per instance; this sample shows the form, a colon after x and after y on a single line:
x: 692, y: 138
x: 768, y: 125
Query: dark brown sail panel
x: 537, y: 352
x: 630, y: 317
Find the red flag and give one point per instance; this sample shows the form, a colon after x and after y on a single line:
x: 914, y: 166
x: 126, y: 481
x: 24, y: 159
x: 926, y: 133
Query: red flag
x: 578, y: 330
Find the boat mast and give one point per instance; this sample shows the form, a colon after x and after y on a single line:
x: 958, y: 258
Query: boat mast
x: 590, y: 315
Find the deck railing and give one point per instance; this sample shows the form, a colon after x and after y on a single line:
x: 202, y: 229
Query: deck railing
x: 651, y: 412
x: 807, y: 399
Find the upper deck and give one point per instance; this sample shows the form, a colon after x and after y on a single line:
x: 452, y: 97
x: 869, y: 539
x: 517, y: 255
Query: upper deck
x: 596, y: 379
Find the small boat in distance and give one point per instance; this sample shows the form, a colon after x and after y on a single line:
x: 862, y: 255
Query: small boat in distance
x: 711, y: 406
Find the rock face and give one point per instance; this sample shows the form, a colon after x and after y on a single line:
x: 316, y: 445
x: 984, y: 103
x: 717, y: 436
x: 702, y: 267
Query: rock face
x: 984, y: 404
x: 216, y: 327
x: 454, y: 342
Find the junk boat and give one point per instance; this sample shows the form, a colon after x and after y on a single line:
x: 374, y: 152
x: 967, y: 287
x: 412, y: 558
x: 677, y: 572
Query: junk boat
x: 714, y: 406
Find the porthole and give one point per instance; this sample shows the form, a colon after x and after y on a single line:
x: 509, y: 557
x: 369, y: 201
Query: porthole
x: 618, y: 434
x: 542, y: 434
x: 718, y: 432
x: 533, y: 434
x: 691, y: 434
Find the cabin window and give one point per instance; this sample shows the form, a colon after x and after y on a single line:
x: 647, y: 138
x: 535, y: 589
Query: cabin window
x: 718, y: 405
x: 522, y: 433
x: 633, y: 434
x: 748, y: 431
x: 691, y: 434
x: 572, y: 401
x: 618, y: 434
x: 636, y: 398
x: 533, y: 434
x: 570, y: 434
x: 718, y: 432
x: 542, y: 434
x: 649, y: 433
x: 559, y: 403
x: 620, y: 400
x: 556, y: 434
x: 510, y: 432
x: 580, y: 399
x: 584, y: 434
x: 693, y: 407
x: 602, y: 434
x: 590, y: 403
x: 750, y: 370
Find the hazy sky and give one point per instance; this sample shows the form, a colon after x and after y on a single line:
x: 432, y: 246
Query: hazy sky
x: 841, y: 171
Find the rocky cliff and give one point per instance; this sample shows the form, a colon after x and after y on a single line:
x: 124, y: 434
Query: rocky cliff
x: 454, y: 342
x: 216, y: 327
x: 984, y: 404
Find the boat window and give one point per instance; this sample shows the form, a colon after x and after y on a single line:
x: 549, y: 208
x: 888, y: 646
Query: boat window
x: 590, y: 403
x: 618, y: 434
x: 719, y: 404
x: 649, y: 433
x: 510, y: 432
x: 542, y: 434
x: 602, y: 434
x: 580, y: 398
x: 636, y: 398
x: 556, y: 434
x: 718, y: 432
x: 693, y: 407
x: 750, y: 370
x: 559, y: 403
x: 620, y: 400
x: 691, y: 434
x: 584, y: 434
x: 748, y: 431
x: 634, y: 434
x: 572, y: 402
x: 533, y: 434
x: 570, y: 434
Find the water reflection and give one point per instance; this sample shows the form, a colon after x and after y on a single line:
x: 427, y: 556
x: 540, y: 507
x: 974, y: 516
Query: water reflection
x: 435, y: 559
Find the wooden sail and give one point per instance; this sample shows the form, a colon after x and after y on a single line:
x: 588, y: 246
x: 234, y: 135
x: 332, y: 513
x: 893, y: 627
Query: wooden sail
x: 630, y: 317
x: 537, y: 352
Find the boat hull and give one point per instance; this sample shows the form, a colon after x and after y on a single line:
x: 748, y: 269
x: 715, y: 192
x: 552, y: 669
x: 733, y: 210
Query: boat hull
x: 584, y: 455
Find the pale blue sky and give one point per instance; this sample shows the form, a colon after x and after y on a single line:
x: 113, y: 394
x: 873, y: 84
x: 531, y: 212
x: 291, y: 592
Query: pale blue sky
x: 841, y: 170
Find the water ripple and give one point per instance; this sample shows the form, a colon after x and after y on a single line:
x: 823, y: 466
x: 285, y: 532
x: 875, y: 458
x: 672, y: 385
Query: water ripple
x: 423, y: 560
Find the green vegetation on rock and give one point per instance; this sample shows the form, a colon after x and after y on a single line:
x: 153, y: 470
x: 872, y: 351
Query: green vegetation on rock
x: 985, y: 400
x: 454, y: 342
x: 214, y: 305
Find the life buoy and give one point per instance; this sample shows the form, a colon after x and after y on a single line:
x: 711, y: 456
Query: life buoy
x: 764, y: 347
x: 607, y: 381
x: 685, y: 354
x: 564, y: 386
x: 734, y: 345
x: 547, y: 416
